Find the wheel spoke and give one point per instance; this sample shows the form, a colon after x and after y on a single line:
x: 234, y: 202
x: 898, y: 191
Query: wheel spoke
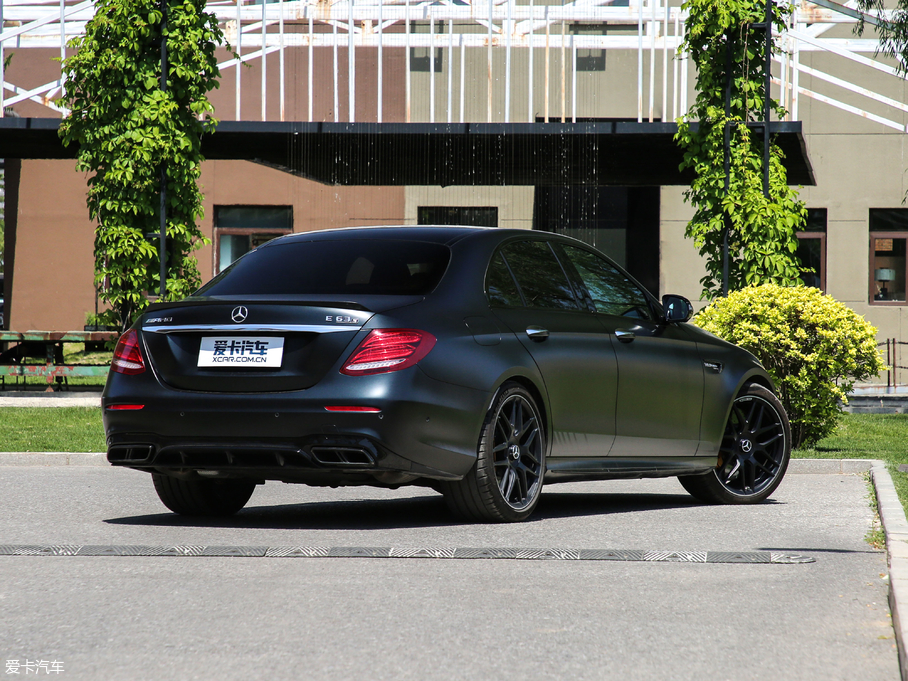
x: 531, y: 439
x: 507, y: 483
x: 503, y: 425
x: 522, y: 486
x: 756, y: 424
x: 500, y: 448
x: 734, y: 470
x: 769, y: 471
x: 529, y: 423
x: 747, y: 475
x: 766, y: 429
x: 528, y: 453
x: 770, y: 440
x: 750, y: 416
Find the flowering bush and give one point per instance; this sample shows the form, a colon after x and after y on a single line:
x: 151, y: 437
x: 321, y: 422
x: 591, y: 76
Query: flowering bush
x: 813, y: 346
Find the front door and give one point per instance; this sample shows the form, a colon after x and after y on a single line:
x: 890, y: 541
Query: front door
x: 660, y: 373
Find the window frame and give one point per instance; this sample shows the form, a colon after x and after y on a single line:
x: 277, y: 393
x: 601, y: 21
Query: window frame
x: 578, y: 293
x: 576, y: 278
x: 217, y: 231
x: 874, y: 235
x: 821, y: 237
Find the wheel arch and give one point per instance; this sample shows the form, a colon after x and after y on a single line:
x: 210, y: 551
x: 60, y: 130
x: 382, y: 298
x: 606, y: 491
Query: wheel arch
x: 538, y: 395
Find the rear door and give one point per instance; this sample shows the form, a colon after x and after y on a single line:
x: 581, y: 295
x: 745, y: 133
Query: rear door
x: 570, y: 347
x: 660, y: 373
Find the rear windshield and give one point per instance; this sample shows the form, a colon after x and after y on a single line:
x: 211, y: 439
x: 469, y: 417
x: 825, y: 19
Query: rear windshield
x: 352, y: 266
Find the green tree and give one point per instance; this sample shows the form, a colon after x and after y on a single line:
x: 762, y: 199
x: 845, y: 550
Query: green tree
x: 762, y: 240
x: 893, y: 34
x: 128, y: 129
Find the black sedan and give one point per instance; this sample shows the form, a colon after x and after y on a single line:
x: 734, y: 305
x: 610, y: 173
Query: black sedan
x: 479, y: 362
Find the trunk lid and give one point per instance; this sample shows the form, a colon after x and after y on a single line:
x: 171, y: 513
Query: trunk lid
x: 308, y: 337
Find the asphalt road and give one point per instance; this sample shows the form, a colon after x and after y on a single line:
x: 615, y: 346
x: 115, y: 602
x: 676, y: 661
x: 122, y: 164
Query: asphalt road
x: 404, y: 618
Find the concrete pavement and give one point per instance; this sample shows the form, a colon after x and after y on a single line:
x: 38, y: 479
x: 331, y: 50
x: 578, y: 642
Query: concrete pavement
x: 204, y: 617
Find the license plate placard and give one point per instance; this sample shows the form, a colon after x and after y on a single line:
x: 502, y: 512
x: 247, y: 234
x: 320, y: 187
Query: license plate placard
x: 241, y: 351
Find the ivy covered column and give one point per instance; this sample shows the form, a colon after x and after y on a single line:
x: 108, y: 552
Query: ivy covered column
x: 728, y: 46
x: 128, y: 128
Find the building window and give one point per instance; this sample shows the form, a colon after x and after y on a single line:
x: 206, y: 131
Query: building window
x: 421, y: 60
x: 589, y: 59
x: 812, y: 248
x: 239, y: 229
x: 471, y: 216
x: 888, y: 240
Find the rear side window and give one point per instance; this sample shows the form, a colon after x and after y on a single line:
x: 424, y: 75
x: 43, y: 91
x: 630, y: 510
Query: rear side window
x: 355, y: 266
x: 611, y: 291
x: 539, y: 274
x: 500, y: 285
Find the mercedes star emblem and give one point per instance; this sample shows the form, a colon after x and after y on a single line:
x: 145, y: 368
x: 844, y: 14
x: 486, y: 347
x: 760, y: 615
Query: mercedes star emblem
x: 239, y: 314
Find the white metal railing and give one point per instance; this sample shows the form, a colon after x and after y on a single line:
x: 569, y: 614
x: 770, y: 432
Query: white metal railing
x: 485, y: 28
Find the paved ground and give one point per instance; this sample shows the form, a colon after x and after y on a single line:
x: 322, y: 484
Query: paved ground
x: 351, y: 618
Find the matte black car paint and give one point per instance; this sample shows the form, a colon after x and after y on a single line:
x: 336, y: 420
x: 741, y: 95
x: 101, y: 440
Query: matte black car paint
x: 648, y: 407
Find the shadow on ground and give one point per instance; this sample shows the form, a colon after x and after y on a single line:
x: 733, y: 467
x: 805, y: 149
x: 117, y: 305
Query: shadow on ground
x: 423, y: 511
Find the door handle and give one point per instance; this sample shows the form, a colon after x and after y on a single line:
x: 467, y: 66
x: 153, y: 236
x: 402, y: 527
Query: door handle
x: 537, y: 333
x: 624, y: 336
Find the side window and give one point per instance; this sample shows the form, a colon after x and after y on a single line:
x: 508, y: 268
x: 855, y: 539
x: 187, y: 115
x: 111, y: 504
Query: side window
x: 540, y: 276
x: 500, y: 284
x: 611, y: 291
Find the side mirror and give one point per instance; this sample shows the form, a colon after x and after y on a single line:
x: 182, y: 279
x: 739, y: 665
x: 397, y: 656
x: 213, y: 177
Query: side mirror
x: 677, y: 308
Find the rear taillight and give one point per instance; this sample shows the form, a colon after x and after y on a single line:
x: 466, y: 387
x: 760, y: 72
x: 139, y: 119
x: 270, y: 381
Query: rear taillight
x: 127, y: 358
x: 385, y: 350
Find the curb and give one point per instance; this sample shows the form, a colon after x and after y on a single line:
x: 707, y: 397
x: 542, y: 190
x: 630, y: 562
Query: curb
x: 830, y: 466
x: 50, y: 400
x: 53, y: 459
x: 895, y: 525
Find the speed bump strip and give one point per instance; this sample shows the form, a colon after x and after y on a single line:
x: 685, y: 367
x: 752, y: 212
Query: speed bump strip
x: 384, y: 552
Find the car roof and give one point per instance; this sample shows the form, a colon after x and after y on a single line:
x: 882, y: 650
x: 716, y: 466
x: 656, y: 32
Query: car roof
x: 441, y: 234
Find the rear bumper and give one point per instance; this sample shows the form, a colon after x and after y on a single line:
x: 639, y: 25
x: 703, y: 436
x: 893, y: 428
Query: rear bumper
x: 424, y: 429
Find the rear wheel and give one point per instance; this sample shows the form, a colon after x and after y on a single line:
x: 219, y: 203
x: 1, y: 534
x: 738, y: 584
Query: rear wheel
x: 754, y: 453
x: 505, y: 483
x: 202, y: 497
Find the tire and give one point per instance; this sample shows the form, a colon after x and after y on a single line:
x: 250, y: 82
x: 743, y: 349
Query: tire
x: 505, y: 482
x: 202, y: 497
x: 754, y: 453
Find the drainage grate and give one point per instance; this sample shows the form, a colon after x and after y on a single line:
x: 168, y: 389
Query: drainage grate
x: 386, y: 552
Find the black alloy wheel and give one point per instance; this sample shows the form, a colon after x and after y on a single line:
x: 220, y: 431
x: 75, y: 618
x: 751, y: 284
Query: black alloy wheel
x: 506, y: 481
x: 754, y: 454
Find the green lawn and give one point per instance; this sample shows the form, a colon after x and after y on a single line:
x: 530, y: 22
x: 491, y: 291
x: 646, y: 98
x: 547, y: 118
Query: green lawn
x: 51, y: 429
x: 78, y: 429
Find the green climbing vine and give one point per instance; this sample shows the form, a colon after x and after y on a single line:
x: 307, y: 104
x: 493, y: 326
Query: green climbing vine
x: 127, y: 129
x: 762, y: 239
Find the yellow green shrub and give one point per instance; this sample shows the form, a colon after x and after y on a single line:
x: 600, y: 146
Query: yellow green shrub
x: 813, y: 346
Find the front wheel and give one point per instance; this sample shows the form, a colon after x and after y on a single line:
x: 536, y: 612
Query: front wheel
x: 754, y: 453
x: 202, y: 497
x: 505, y: 482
